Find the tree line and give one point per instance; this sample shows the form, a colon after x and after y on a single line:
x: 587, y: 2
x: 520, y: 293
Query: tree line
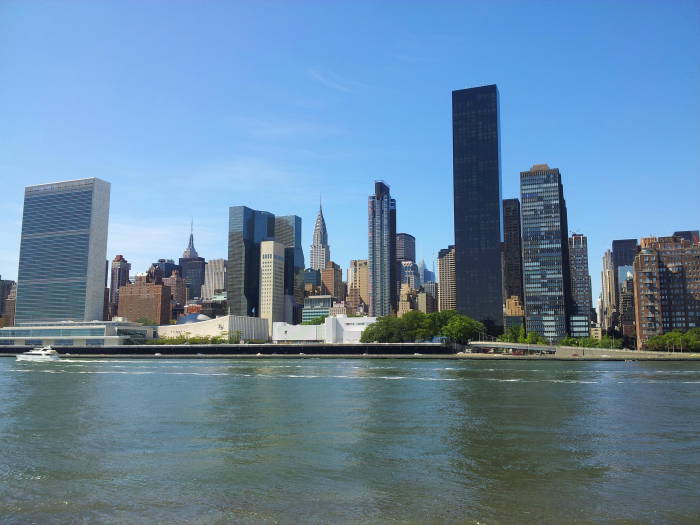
x: 416, y: 327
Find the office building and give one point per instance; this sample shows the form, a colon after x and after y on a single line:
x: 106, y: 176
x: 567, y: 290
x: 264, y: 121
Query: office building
x: 332, y: 282
x: 512, y: 251
x: 272, y: 282
x: 119, y: 278
x: 192, y: 268
x: 447, y: 288
x: 581, y: 295
x: 692, y: 236
x: 405, y: 247
x: 63, y: 222
x: 147, y: 301
x: 6, y: 287
x: 477, y: 204
x: 320, y: 251
x: 73, y: 333
x: 214, y: 279
x: 426, y: 302
x: 288, y: 233
x: 358, y: 282
x: 178, y: 293
x: 166, y: 267
x: 546, y: 279
x: 383, y: 296
x: 408, y: 274
x: 316, y: 306
x: 627, y: 317
x: 608, y: 298
x: 247, y: 229
x: 408, y: 300
x: 666, y: 287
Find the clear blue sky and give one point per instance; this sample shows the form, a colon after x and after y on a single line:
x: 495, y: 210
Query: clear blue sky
x: 190, y: 107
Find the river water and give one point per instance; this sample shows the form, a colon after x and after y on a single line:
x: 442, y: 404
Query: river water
x: 348, y: 441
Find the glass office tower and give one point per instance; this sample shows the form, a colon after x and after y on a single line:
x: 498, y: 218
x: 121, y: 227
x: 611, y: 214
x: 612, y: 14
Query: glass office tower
x: 512, y: 251
x: 546, y: 279
x: 63, y: 251
x: 383, y: 296
x: 288, y: 233
x: 477, y: 203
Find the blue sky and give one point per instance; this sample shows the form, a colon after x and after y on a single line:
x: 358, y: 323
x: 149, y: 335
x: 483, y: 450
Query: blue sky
x: 188, y: 108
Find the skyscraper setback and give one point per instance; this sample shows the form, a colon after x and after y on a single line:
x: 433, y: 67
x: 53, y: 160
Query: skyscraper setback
x: 546, y: 279
x: 382, y: 251
x: 477, y: 203
x: 63, y: 251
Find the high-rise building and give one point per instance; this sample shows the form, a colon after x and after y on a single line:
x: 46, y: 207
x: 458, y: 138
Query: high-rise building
x: 166, y: 266
x: 63, y: 252
x: 405, y: 247
x: 214, y: 279
x: 666, y: 287
x: 426, y: 302
x: 512, y: 251
x: 358, y: 296
x: 692, y: 236
x: 627, y: 321
x: 288, y: 233
x: 623, y: 253
x: 608, y: 297
x: 178, y: 291
x: 147, y: 300
x: 320, y: 251
x: 119, y: 278
x: 477, y: 203
x: 546, y: 280
x: 447, y: 289
x: 383, y: 296
x: 332, y: 282
x: 581, y: 295
x: 272, y: 255
x: 247, y: 229
x: 8, y: 318
x: 408, y: 300
x: 5, y: 289
x: 408, y: 274
x: 192, y: 268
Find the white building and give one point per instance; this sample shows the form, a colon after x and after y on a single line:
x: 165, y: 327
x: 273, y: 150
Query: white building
x: 271, y: 282
x: 249, y: 328
x: 335, y: 329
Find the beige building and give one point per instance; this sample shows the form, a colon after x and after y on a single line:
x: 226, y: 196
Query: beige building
x: 358, y: 278
x: 447, y: 290
x: 271, y: 282
x: 407, y: 300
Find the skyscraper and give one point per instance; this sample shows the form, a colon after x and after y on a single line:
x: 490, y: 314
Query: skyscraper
x: 214, y: 278
x: 447, y: 288
x: 119, y: 278
x: 382, y: 252
x: 63, y: 251
x: 192, y: 267
x: 477, y: 203
x: 608, y: 297
x: 546, y: 280
x: 405, y: 247
x: 288, y: 233
x: 272, y: 263
x: 581, y: 297
x: 247, y: 229
x: 358, y: 277
x: 512, y: 251
x: 320, y: 251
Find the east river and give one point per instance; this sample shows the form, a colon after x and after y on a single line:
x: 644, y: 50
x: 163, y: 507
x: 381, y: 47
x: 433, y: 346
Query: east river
x: 348, y: 441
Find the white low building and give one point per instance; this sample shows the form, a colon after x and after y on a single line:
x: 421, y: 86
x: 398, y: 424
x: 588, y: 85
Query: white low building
x: 335, y: 329
x: 249, y: 328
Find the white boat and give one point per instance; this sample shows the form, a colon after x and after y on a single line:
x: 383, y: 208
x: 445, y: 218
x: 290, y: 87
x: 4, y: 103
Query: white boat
x: 39, y: 354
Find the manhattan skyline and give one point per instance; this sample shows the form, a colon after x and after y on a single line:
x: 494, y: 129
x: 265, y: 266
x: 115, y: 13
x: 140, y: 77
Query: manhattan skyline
x: 183, y: 123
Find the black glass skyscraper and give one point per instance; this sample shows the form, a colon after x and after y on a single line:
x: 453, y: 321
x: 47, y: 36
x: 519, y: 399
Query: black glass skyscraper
x: 477, y: 203
x: 512, y: 251
x: 288, y: 233
x: 381, y: 208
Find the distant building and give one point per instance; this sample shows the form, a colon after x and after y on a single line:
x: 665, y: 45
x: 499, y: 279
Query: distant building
x: 63, y: 251
x: 426, y: 302
x: 119, y: 278
x: 405, y: 247
x: 335, y: 329
x: 476, y: 155
x: 178, y: 293
x: 320, y: 250
x: 271, y: 282
x: 73, y: 333
x: 234, y: 326
x: 214, y: 279
x: 6, y: 287
x: 581, y: 295
x: 447, y: 292
x: 332, y: 281
x: 512, y: 251
x: 627, y: 317
x: 358, y: 282
x: 167, y: 266
x: 408, y: 300
x: 317, y: 306
x: 288, y: 233
x: 692, y: 236
x: 431, y: 288
x: 408, y: 274
x: 193, y: 269
x: 623, y: 253
x: 666, y: 287
x: 608, y: 298
x: 147, y: 300
x: 514, y: 313
x: 546, y: 279
x: 383, y: 296
x: 8, y: 316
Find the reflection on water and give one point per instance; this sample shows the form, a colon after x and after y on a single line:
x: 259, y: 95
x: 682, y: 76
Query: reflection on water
x: 348, y: 441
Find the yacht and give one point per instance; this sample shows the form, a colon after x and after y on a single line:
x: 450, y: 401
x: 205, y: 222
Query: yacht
x: 39, y: 354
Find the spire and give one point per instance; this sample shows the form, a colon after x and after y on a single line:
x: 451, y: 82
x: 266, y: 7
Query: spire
x: 190, y: 252
x: 320, y: 251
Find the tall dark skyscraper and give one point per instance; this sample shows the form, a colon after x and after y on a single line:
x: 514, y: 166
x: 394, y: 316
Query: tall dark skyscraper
x: 512, y: 251
x: 288, y: 233
x: 383, y: 295
x: 193, y: 268
x: 247, y: 229
x: 405, y: 247
x: 546, y: 279
x: 581, y: 299
x: 119, y: 278
x: 477, y: 203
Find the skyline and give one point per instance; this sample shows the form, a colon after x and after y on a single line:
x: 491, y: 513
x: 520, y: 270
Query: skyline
x: 203, y: 147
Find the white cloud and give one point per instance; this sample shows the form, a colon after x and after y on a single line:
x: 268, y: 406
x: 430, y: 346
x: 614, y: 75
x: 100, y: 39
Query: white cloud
x: 332, y: 81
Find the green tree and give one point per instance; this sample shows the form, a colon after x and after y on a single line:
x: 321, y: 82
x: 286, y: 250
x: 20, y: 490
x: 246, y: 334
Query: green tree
x: 462, y: 329
x: 316, y: 320
x: 146, y: 322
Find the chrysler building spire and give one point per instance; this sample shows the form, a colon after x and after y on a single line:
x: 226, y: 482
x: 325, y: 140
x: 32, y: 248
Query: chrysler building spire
x: 320, y: 251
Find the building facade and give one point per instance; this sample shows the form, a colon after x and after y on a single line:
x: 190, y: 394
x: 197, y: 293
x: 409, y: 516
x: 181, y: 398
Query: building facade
x: 666, y: 287
x: 546, y: 279
x: 332, y: 281
x: 288, y: 233
x: 383, y: 296
x: 477, y: 203
x: 320, y: 250
x: 405, y: 247
x: 63, y: 251
x: 6, y: 287
x: 512, y: 251
x: 192, y: 268
x: 581, y: 294
x: 447, y: 288
x: 358, y: 280
x: 608, y: 295
x: 119, y: 278
x: 147, y: 300
x: 316, y: 306
x: 214, y: 279
x: 272, y: 282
